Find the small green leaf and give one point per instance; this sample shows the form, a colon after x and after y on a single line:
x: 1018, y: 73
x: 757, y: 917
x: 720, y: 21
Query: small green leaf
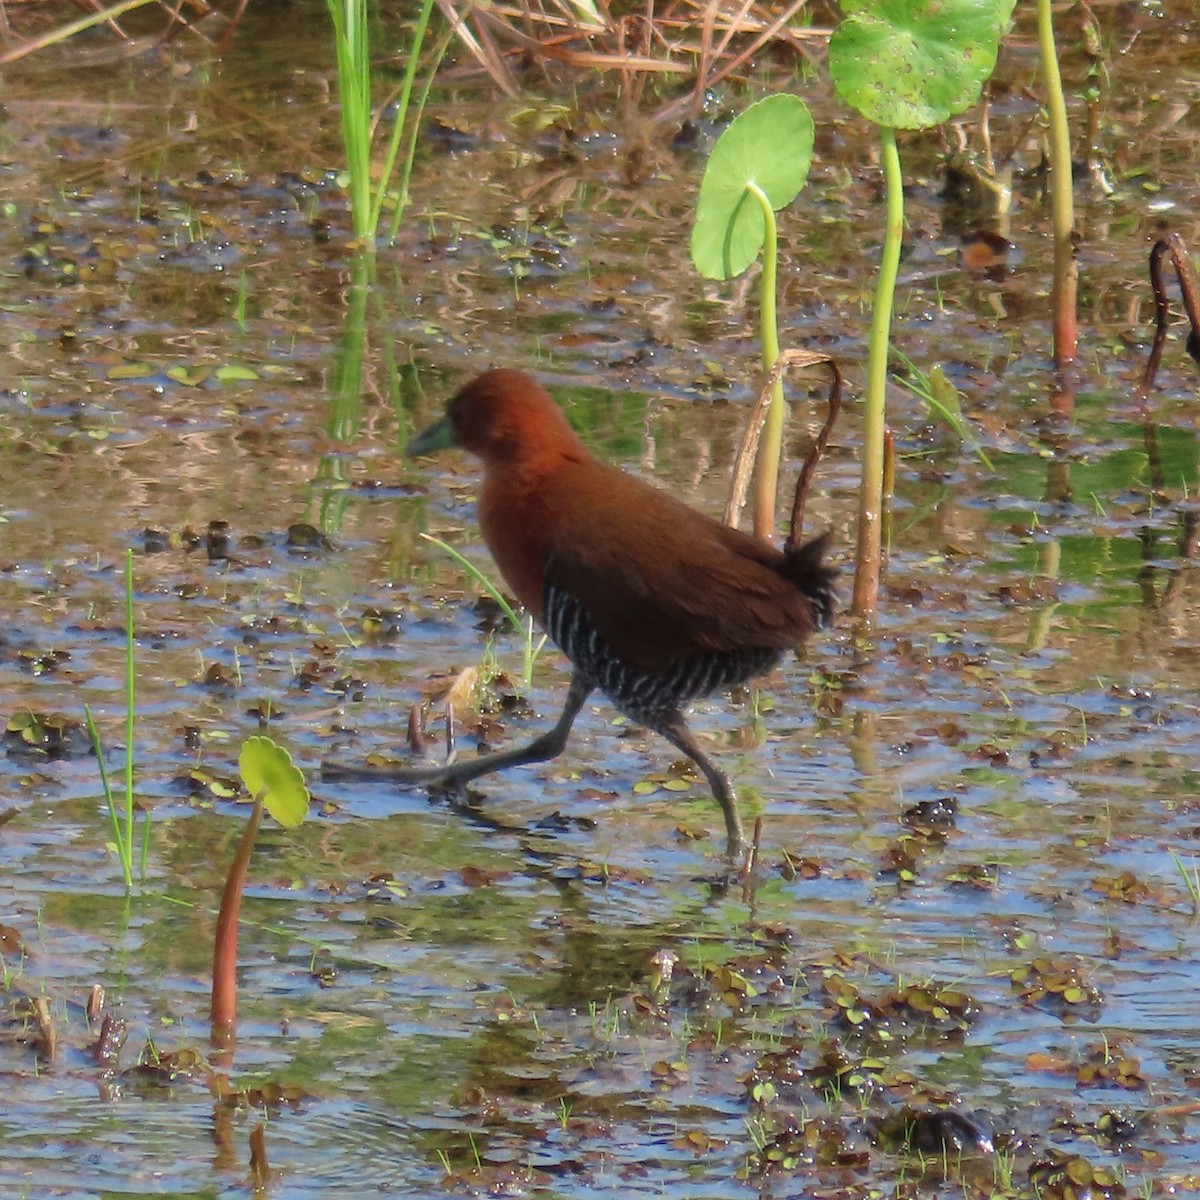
x: 267, y: 770
x: 131, y: 371
x: 911, y: 64
x: 945, y: 402
x: 236, y: 374
x: 188, y: 376
x: 770, y: 146
x: 945, y: 394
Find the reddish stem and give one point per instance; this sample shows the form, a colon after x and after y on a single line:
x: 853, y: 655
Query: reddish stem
x: 224, y: 988
x: 1064, y: 297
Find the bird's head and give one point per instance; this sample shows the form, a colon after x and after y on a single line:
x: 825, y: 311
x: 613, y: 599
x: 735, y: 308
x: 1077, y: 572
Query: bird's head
x: 502, y: 417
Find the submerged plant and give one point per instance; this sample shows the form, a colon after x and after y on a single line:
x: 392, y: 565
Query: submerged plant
x: 943, y: 401
x: 1190, y: 875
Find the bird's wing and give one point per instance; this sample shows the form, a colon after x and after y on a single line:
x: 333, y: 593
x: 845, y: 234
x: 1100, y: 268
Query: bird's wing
x: 660, y: 580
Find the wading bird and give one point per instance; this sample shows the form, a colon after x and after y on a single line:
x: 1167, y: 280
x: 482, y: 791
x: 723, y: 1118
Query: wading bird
x: 654, y: 603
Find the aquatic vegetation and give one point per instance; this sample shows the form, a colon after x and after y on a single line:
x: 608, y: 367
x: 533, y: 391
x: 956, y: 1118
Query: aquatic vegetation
x: 758, y: 166
x: 530, y: 641
x: 276, y: 785
x: 903, y: 66
x: 368, y: 195
x: 121, y: 809
x: 1063, y: 297
x: 960, y: 961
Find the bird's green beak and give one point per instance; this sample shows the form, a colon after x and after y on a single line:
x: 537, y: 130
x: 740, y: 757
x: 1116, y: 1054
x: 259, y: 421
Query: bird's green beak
x: 439, y: 436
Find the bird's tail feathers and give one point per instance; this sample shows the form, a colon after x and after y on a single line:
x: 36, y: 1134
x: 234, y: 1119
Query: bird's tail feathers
x: 805, y: 569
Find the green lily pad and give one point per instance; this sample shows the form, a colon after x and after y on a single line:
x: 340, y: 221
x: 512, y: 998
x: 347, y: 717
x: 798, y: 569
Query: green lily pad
x: 910, y: 64
x: 769, y: 145
x: 133, y: 370
x: 188, y: 376
x: 268, y: 772
x: 236, y: 374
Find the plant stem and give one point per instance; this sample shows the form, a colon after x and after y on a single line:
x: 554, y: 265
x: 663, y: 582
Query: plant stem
x: 439, y: 53
x: 352, y: 41
x: 224, y: 985
x: 1066, y: 279
x: 870, y: 510
x: 130, y: 717
x: 520, y: 628
x: 110, y: 800
x: 346, y: 382
x: 401, y: 119
x: 771, y: 446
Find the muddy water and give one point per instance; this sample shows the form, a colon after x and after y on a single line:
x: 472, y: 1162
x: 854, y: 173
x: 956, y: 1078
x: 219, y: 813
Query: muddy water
x: 966, y: 900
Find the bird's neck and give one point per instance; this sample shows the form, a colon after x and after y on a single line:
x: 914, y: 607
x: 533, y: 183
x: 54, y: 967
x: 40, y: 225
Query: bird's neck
x: 524, y: 472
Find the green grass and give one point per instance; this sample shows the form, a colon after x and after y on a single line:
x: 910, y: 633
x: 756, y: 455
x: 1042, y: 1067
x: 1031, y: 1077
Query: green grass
x: 352, y: 40
x: 531, y: 647
x: 1190, y: 876
x: 121, y: 808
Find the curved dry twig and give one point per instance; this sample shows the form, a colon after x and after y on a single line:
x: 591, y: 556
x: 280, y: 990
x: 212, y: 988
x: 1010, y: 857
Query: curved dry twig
x: 1176, y: 247
x: 748, y: 450
x: 804, y: 481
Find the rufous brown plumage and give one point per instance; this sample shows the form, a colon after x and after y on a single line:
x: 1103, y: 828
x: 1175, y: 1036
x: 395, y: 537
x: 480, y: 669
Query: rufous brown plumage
x: 654, y: 602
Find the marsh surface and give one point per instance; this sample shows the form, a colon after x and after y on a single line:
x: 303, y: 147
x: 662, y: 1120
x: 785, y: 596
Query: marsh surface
x: 968, y: 898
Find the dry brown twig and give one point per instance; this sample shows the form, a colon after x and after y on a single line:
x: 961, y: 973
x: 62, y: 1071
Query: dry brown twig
x: 748, y: 450
x: 1173, y: 246
x: 708, y: 39
x: 99, y: 14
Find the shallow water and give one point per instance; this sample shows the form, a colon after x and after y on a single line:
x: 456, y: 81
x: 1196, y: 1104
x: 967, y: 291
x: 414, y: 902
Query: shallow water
x: 466, y: 999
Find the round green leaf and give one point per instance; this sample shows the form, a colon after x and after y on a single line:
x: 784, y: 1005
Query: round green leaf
x: 267, y: 770
x: 769, y: 145
x: 910, y: 64
x: 234, y: 373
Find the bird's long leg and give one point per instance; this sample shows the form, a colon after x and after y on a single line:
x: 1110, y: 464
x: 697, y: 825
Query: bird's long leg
x: 675, y: 729
x: 454, y: 774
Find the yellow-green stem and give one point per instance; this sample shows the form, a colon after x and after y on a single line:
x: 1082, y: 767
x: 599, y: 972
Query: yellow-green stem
x: 771, y: 446
x: 1063, y: 296
x: 1040, y: 624
x: 110, y: 799
x: 870, y: 506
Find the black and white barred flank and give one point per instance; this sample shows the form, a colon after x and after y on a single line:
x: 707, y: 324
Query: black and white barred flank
x: 645, y: 698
